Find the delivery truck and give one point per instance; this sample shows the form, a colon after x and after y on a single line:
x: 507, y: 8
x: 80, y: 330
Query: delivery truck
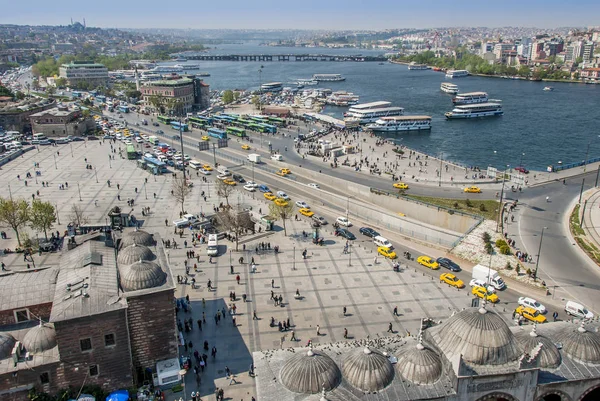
x: 488, y: 275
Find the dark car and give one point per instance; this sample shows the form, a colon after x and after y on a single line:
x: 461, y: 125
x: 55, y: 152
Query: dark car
x: 174, y: 136
x: 369, y: 232
x: 263, y: 188
x: 77, y: 139
x: 238, y: 178
x: 159, y: 131
x: 448, y: 264
x: 156, y: 124
x: 344, y: 233
x: 522, y: 169
x: 93, y: 138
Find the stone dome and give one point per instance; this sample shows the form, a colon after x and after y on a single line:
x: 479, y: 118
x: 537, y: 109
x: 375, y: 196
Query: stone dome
x: 310, y: 372
x: 141, y: 275
x: 7, y: 343
x: 138, y: 237
x: 419, y: 364
x: 40, y: 338
x: 134, y: 253
x: 480, y: 336
x: 549, y: 356
x: 368, y: 370
x: 580, y: 344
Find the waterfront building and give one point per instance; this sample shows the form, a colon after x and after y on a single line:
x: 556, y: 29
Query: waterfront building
x: 487, y: 47
x: 593, y: 73
x: 60, y: 122
x: 587, y: 51
x: 80, y: 73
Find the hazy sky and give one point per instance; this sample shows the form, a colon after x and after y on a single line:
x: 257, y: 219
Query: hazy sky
x: 305, y: 14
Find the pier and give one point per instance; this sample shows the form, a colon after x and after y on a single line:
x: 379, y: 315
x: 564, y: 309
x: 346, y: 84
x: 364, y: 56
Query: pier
x: 283, y: 57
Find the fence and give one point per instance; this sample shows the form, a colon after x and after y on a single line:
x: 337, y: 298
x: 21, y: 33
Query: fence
x: 573, y: 165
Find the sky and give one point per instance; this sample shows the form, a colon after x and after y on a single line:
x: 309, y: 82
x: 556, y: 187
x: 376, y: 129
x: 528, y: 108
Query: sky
x: 305, y: 14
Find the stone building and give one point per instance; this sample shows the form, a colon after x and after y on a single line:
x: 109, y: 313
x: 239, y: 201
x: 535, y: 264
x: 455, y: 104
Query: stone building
x: 86, y: 73
x: 179, y: 95
x: 473, y: 356
x: 14, y: 116
x: 61, y: 121
x: 111, y: 318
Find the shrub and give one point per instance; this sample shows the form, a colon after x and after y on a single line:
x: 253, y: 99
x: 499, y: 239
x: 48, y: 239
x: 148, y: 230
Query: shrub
x: 508, y: 266
x: 456, y: 205
x: 528, y: 271
x: 500, y: 243
x: 505, y: 250
x: 482, y: 207
x: 518, y: 268
x: 489, y: 248
x: 486, y: 237
x: 469, y: 203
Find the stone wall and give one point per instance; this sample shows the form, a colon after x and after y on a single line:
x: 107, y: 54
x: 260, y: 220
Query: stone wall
x: 41, y: 310
x: 19, y: 121
x: 16, y: 387
x: 74, y: 128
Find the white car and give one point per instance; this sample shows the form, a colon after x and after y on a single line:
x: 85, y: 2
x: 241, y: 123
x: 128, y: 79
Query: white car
x: 282, y: 195
x: 342, y: 221
x: 138, y: 139
x: 222, y: 176
x: 127, y: 142
x: 481, y: 283
x: 251, y: 184
x: 532, y: 303
x: 313, y: 185
x: 302, y: 204
x: 249, y: 188
x: 187, y: 158
x: 203, y: 171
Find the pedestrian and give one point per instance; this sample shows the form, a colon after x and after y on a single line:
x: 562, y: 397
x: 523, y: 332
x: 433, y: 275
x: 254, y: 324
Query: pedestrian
x: 318, y: 330
x: 199, y: 324
x: 272, y: 283
x: 345, y: 333
x: 344, y: 311
x: 254, y: 317
x: 231, y: 269
x: 237, y: 278
x: 554, y: 315
x: 396, y: 311
x: 293, y: 337
x: 390, y: 329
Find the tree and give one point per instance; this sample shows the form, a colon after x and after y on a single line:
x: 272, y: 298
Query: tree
x: 175, y: 106
x: 256, y: 101
x: 228, y: 96
x: 235, y: 221
x: 60, y: 82
x: 15, y: 214
x: 42, y: 216
x: 133, y: 94
x: 236, y: 95
x: 20, y: 95
x: 77, y: 216
x: 224, y: 190
x: 158, y: 102
x: 282, y: 212
x: 51, y: 90
x: 180, y: 190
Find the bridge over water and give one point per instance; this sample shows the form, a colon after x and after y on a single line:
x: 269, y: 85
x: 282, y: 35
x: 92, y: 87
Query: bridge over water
x: 283, y: 57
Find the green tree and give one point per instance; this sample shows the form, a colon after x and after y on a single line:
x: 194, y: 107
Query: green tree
x: 20, y: 95
x: 60, y: 82
x: 256, y: 101
x: 133, y: 93
x: 158, y: 102
x: 227, y: 96
x: 51, y: 90
x: 236, y: 95
x: 15, y: 214
x: 282, y: 212
x: 42, y: 216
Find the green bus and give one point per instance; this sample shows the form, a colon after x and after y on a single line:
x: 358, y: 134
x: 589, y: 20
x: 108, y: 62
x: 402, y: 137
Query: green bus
x: 260, y: 119
x: 236, y: 131
x: 197, y: 122
x: 131, y: 153
x: 256, y: 127
x: 164, y: 119
x: 280, y: 122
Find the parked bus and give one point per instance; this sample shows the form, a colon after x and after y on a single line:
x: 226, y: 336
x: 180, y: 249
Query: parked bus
x: 131, y: 153
x: 153, y: 140
x: 236, y: 131
x: 256, y: 127
x: 196, y: 122
x: 123, y: 108
x: 259, y: 119
x: 101, y: 98
x: 155, y: 164
x: 179, y: 126
x: 280, y: 122
x: 217, y: 133
x: 76, y: 94
x: 164, y: 119
x: 269, y: 128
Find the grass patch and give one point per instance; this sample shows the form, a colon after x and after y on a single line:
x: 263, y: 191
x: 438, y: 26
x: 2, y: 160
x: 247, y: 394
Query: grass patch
x: 574, y: 222
x: 579, y: 234
x: 488, y: 209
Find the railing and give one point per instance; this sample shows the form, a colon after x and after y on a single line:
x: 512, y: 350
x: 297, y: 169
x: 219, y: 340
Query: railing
x: 573, y: 165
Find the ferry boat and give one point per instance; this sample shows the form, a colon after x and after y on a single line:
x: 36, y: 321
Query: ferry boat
x: 271, y: 87
x: 328, y: 77
x: 187, y: 66
x: 307, y: 81
x: 342, y: 98
x: 548, y: 88
x: 475, y: 110
x: 470, y: 98
x: 166, y: 68
x: 449, y: 88
x: 401, y: 123
x: 371, y: 112
x: 457, y: 73
x: 415, y: 66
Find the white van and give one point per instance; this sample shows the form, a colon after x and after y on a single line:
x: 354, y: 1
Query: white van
x: 578, y: 310
x: 223, y: 170
x: 195, y: 164
x: 213, y: 245
x: 380, y: 241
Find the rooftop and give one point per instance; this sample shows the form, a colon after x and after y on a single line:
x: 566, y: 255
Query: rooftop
x: 170, y: 82
x: 55, y: 112
x: 83, y: 65
x: 21, y: 289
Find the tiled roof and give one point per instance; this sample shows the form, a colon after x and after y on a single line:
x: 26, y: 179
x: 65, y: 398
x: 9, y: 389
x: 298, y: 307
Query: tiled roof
x: 27, y: 288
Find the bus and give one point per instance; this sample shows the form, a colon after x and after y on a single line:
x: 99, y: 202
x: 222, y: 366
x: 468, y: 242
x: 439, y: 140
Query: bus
x: 76, y: 94
x: 179, y: 126
x: 268, y: 128
x: 236, y: 131
x: 196, y: 122
x: 155, y: 164
x: 131, y: 153
x: 101, y: 98
x: 195, y: 164
x: 123, y: 108
x: 164, y: 119
x: 259, y: 119
x: 277, y: 121
x: 256, y: 127
x: 207, y: 119
x: 217, y: 133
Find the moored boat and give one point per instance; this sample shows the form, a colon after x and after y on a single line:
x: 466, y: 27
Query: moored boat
x: 475, y: 110
x: 447, y: 87
x: 401, y: 123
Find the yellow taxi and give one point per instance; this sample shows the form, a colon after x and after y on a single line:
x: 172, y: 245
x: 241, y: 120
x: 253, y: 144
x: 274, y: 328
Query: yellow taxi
x: 400, y: 185
x: 205, y: 137
x: 229, y: 181
x: 281, y: 202
x: 428, y: 262
x: 96, y: 117
x: 269, y: 196
x: 473, y: 190
x: 484, y: 294
x: 283, y: 171
x: 452, y: 280
x: 530, y: 314
x: 246, y: 147
x: 386, y: 252
x: 306, y: 212
x: 207, y: 167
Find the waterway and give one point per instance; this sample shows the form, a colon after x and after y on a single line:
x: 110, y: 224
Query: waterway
x: 538, y: 127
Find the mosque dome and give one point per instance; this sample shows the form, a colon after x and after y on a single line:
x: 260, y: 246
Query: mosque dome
x: 138, y: 237
x: 480, y: 336
x: 7, y: 343
x: 368, y: 370
x: 549, y: 356
x: 134, y: 253
x: 40, y: 338
x: 419, y: 364
x: 310, y: 372
x: 141, y: 275
x: 580, y: 344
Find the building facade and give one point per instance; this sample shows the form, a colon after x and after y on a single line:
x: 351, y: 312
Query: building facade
x: 79, y: 73
x: 15, y: 116
x: 172, y: 96
x: 61, y: 121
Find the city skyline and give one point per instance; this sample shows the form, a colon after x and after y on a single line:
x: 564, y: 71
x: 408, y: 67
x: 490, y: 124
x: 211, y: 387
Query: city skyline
x: 310, y: 14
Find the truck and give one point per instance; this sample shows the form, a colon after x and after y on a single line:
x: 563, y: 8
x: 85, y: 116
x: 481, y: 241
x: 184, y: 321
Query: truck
x: 254, y: 158
x: 488, y: 275
x: 187, y: 220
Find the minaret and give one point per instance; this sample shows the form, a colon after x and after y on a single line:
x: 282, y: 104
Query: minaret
x: 137, y: 79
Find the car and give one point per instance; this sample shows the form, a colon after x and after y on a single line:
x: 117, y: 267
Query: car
x: 108, y: 137
x: 319, y: 219
x: 532, y: 303
x: 313, y: 185
x: 476, y: 282
x: 249, y: 188
x: 207, y: 167
x: 472, y: 189
x: 155, y: 124
x: 344, y: 233
x: 400, y: 185
x: 428, y: 262
x: 368, y: 231
x: 205, y: 138
x: 386, y: 252
x: 578, y: 310
x: 175, y: 137
x: 530, y: 314
x: 138, y: 139
x: 283, y: 195
x: 159, y: 131
x: 222, y: 177
x: 187, y: 157
x: 302, y: 204
x: 522, y: 169
x: 128, y: 142
x: 229, y: 181
x: 342, y: 221
x: 238, y: 178
x: 280, y: 202
x: 269, y: 196
x: 264, y: 188
x: 452, y: 280
x: 252, y: 184
x: 306, y: 212
x: 246, y: 147
x: 448, y: 264
x: 283, y: 172
x: 484, y: 293
x: 147, y: 145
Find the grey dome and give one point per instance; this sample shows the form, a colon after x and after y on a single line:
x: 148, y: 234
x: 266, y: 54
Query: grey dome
x: 548, y: 356
x: 40, y: 338
x: 310, y: 372
x: 141, y: 275
x: 134, y: 253
x: 138, y: 237
x: 7, y: 343
x: 480, y: 336
x: 368, y: 370
x: 419, y: 364
x: 580, y: 344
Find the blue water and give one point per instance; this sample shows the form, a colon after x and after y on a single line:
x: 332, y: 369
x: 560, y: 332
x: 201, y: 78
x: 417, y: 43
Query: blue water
x: 546, y: 126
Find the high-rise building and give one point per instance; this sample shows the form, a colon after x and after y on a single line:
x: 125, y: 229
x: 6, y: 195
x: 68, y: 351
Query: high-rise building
x: 587, y: 51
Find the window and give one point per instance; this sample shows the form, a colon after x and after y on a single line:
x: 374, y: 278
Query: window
x: 94, y: 370
x: 45, y: 378
x: 85, y: 344
x: 21, y: 315
x: 109, y: 340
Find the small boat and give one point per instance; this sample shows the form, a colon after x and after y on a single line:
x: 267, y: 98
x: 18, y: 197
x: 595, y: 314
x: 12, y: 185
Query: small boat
x: 381, y: 63
x: 548, y: 88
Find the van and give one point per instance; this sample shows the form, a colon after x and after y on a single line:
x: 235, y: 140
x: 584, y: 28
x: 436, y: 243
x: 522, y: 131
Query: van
x: 213, y: 245
x: 380, y: 241
x: 578, y: 310
x: 195, y: 164
x: 223, y: 170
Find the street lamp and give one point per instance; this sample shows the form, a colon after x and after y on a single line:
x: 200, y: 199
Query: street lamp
x: 521, y: 161
x: 79, y: 190
x: 441, y: 159
x: 537, y: 262
x: 501, y: 196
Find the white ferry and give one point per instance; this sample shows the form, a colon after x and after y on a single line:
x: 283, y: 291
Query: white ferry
x: 187, y: 66
x: 328, y: 77
x: 371, y: 112
x: 415, y: 66
x: 475, y: 110
x: 166, y: 68
x: 401, y: 123
x: 307, y: 81
x: 342, y: 98
x: 449, y: 88
x: 457, y: 73
x: 271, y: 87
x: 470, y: 98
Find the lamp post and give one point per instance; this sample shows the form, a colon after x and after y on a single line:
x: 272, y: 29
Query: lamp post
x: 55, y: 166
x: 294, y: 260
x: 441, y: 159
x: 586, y: 155
x: 501, y: 196
x: 537, y: 262
x: 96, y: 174
x: 145, y: 192
x: 349, y: 253
x: 521, y: 160
x: 259, y: 89
x: 182, y: 153
x: 57, y: 217
x: 79, y: 190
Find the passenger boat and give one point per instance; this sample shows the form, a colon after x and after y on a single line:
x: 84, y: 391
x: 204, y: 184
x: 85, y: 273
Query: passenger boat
x: 328, y: 77
x: 371, y: 112
x: 449, y: 88
x: 401, y: 123
x: 548, y: 88
x: 415, y: 66
x: 457, y: 73
x: 271, y: 87
x: 307, y: 81
x: 470, y: 98
x: 342, y: 98
x: 475, y: 110
x: 166, y: 68
x: 187, y: 66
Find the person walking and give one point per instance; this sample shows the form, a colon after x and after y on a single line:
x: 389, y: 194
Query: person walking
x: 390, y: 328
x: 396, y: 311
x: 318, y: 330
x: 237, y: 278
x: 345, y: 333
x: 555, y: 316
x: 293, y: 337
x: 272, y: 283
x: 344, y: 311
x: 254, y: 317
